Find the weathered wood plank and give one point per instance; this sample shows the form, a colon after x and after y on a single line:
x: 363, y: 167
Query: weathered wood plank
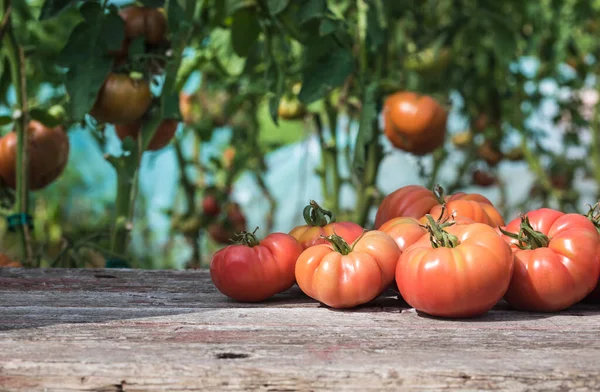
x: 66, y: 330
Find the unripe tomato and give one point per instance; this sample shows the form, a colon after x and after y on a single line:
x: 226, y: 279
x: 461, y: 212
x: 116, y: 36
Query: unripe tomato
x: 253, y: 270
x: 428, y: 61
x: 122, y: 100
x: 210, y: 206
x: 462, y: 139
x: 414, y: 123
x: 144, y: 21
x: 163, y: 135
x: 291, y: 109
x: 48, y: 153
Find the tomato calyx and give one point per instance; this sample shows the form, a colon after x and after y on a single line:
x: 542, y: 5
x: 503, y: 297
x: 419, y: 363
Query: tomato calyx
x: 315, y: 215
x: 247, y: 238
x: 339, y: 244
x: 438, y: 236
x: 528, y: 237
x: 594, y: 215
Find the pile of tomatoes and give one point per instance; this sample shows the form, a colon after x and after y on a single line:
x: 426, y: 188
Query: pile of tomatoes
x: 449, y: 256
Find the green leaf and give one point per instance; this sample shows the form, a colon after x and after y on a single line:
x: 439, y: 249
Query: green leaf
x: 277, y: 6
x: 327, y: 27
x: 153, y: 3
x: 367, y: 132
x: 311, y: 9
x: 233, y: 6
x: 44, y: 117
x: 137, y: 47
x: 328, y: 72
x: 274, y: 108
x: 5, y: 120
x: 170, y: 105
x: 244, y: 31
x: 93, y: 38
x: 375, y: 32
x: 51, y: 8
x: 83, y: 83
x: 176, y: 19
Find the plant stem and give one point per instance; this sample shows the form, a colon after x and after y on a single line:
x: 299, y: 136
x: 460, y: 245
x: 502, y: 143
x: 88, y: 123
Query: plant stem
x: 16, y: 60
x: 595, y: 146
x: 367, y: 190
x: 331, y: 158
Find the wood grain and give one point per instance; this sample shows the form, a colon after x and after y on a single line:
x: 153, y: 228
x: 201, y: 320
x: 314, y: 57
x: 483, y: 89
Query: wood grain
x: 132, y: 330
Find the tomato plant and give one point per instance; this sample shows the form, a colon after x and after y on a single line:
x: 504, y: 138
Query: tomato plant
x: 344, y: 276
x: 253, y: 270
x: 48, y: 152
x: 557, y: 260
x: 457, y: 271
x: 414, y: 123
x: 162, y: 136
x: 223, y: 230
x: 321, y: 223
x: 122, y: 100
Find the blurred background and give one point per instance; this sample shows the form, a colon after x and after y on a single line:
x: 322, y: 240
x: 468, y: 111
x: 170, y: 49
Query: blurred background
x: 518, y: 79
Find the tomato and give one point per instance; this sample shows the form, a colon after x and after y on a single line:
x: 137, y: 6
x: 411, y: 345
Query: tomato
x: 483, y: 178
x: 163, y: 135
x: 144, y: 21
x: 557, y: 261
x: 428, y: 60
x: 122, y: 100
x: 341, y: 276
x: 48, y: 154
x: 6, y: 262
x: 462, y: 139
x: 480, y: 123
x: 228, y: 157
x: 224, y: 229
x: 414, y: 123
x: 410, y: 201
x: 317, y: 225
x: 489, y: 153
x: 210, y: 206
x: 464, y: 274
x: 291, y: 109
x: 253, y: 270
x: 514, y: 155
x: 416, y: 201
x: 404, y: 230
x: 185, y: 107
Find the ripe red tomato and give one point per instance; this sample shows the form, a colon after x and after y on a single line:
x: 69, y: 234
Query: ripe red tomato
x: 343, y: 277
x: 255, y: 270
x: 317, y: 225
x: 404, y: 230
x: 414, y: 123
x: 144, y: 21
x: 483, y: 178
x: 416, y: 201
x: 560, y: 262
x: 48, y: 153
x: 163, y: 135
x: 465, y: 275
x: 210, y: 205
x: 121, y: 100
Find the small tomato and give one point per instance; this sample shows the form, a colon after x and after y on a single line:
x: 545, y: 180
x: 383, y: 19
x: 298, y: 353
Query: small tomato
x: 253, y: 270
x: 121, y: 100
x: 162, y: 136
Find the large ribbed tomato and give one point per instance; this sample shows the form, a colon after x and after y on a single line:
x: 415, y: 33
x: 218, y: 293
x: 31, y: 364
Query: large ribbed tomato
x: 163, y: 135
x: 343, y: 276
x: 320, y: 222
x: 253, y: 270
x: 414, y: 123
x: 121, y: 100
x: 416, y: 201
x: 48, y: 154
x: 459, y: 271
x: 557, y: 260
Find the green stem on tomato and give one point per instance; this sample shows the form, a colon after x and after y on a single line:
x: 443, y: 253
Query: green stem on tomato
x: 16, y: 59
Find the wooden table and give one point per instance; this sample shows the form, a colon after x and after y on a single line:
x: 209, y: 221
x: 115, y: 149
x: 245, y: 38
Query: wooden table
x: 131, y: 330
